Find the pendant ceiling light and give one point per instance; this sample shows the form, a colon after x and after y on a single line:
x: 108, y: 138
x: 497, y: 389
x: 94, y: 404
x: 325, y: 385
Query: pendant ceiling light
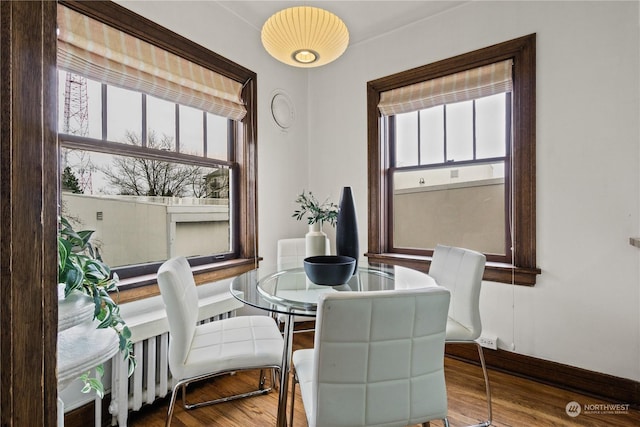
x: 305, y: 36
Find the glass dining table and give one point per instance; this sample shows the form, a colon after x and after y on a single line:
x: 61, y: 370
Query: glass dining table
x: 286, y: 290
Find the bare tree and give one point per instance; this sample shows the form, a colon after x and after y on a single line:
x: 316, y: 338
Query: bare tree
x: 147, y: 177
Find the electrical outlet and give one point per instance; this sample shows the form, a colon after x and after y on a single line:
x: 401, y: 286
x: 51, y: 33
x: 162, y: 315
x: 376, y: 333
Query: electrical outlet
x: 488, y: 341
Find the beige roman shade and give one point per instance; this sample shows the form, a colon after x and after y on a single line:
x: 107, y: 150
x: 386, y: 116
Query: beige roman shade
x: 100, y: 52
x: 463, y: 86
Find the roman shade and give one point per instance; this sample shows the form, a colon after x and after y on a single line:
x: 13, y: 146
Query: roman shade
x: 463, y: 86
x: 100, y: 52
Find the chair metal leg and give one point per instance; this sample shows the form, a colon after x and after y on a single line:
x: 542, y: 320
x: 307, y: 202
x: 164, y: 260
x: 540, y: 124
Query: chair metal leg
x: 445, y: 421
x: 183, y: 384
x: 487, y: 387
x: 275, y: 381
x: 184, y: 395
x: 172, y: 404
x: 227, y: 399
x: 293, y: 396
x: 483, y: 364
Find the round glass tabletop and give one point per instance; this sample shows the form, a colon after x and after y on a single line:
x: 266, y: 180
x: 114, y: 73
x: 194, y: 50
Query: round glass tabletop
x: 289, y: 291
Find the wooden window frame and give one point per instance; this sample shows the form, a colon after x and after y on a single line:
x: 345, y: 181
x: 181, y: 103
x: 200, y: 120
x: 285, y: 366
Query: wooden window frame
x: 244, y: 165
x: 523, y: 270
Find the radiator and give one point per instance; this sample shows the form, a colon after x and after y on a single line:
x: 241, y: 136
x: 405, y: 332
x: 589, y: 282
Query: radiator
x: 149, y: 330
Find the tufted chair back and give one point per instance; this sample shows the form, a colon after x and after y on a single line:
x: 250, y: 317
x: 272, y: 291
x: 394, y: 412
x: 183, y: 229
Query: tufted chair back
x: 460, y: 270
x: 379, y: 358
x: 180, y: 298
x: 291, y: 252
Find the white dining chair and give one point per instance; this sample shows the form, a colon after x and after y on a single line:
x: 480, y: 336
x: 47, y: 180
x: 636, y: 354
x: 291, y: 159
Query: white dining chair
x: 460, y: 271
x: 378, y: 359
x: 290, y: 253
x: 198, y: 352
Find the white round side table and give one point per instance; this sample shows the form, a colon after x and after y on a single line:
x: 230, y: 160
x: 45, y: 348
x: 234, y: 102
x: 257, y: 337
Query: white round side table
x: 81, y: 346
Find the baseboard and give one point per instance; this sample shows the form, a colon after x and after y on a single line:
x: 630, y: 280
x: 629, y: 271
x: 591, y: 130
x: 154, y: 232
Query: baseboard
x: 590, y: 383
x: 84, y: 416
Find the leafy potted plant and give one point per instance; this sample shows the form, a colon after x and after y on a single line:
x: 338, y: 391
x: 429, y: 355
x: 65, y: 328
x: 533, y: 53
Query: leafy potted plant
x: 81, y: 269
x: 316, y: 214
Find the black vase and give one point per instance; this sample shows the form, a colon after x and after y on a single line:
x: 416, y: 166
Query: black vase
x: 347, y: 227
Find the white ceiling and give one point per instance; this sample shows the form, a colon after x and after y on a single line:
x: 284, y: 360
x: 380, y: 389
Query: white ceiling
x: 364, y: 19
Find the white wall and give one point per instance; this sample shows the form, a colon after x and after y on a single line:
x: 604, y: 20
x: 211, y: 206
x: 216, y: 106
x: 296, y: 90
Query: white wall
x: 585, y: 309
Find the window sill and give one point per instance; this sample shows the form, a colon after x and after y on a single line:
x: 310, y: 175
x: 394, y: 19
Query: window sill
x: 493, y: 272
x: 136, y: 288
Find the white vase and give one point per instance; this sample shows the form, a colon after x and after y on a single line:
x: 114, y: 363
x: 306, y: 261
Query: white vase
x: 315, y: 241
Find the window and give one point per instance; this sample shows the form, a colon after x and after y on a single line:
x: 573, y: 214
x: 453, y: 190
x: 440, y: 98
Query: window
x: 157, y: 170
x: 456, y: 169
x: 448, y: 176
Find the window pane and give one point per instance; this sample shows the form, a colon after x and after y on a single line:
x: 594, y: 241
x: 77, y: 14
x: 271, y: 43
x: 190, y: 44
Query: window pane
x: 79, y: 105
x: 407, y: 139
x: 460, y: 131
x: 217, y: 137
x: 124, y: 115
x: 457, y: 206
x: 161, y: 119
x: 490, y: 126
x: 170, y: 209
x: 76, y: 168
x: 191, y: 131
x: 432, y: 135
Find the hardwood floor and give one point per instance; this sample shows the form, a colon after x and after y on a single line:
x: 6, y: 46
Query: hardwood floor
x: 516, y: 402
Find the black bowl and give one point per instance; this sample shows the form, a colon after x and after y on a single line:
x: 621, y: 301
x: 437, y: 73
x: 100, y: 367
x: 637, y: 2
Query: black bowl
x: 329, y: 270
